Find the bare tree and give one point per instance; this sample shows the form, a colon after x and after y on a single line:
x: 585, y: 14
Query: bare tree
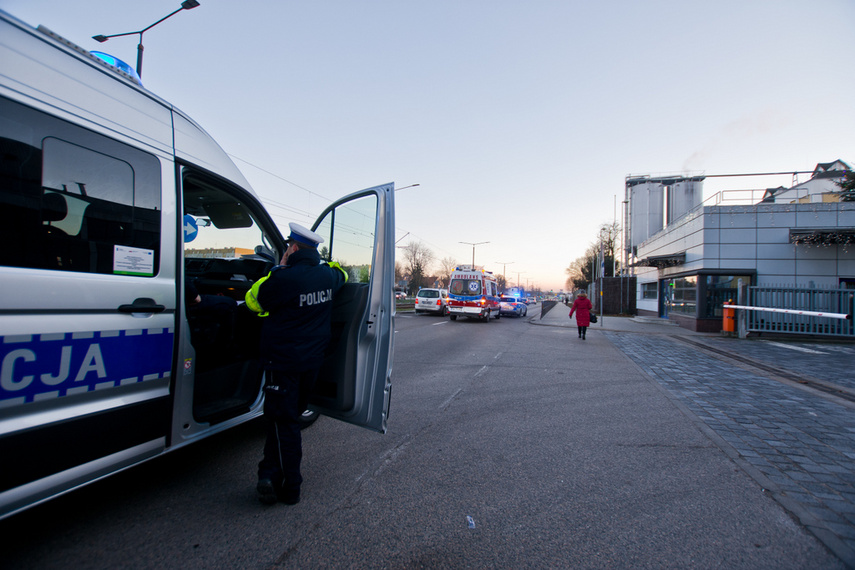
x: 608, y: 236
x: 500, y: 281
x: 446, y: 267
x: 417, y: 259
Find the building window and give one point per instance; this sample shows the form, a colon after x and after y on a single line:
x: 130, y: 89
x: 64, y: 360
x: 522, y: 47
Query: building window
x: 684, y: 295
x: 721, y: 289
x: 649, y: 290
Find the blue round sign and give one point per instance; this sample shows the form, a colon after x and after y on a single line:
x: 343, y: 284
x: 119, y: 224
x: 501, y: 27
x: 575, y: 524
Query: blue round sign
x: 191, y: 228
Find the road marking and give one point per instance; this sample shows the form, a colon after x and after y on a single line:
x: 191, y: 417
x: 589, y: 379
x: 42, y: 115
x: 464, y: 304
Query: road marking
x: 442, y: 323
x: 483, y: 369
x: 447, y: 403
x: 790, y: 346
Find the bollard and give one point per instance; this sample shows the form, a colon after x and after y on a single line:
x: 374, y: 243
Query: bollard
x: 728, y: 320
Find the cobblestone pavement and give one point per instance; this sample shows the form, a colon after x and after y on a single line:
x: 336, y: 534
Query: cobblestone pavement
x: 828, y: 361
x: 798, y: 444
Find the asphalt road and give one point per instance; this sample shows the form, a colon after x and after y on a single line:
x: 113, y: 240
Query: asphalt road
x: 509, y: 446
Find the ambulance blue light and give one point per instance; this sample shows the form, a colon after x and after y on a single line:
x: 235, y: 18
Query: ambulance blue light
x: 117, y: 63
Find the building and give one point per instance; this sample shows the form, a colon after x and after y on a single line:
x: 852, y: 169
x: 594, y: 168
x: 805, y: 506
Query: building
x: 219, y: 252
x: 689, y: 255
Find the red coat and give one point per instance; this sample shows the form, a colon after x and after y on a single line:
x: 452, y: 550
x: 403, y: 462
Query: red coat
x: 582, y: 307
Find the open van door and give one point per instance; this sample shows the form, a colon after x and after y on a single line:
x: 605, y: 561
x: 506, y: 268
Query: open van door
x: 354, y: 383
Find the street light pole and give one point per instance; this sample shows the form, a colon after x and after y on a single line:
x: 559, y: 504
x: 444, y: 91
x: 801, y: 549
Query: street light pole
x: 504, y: 265
x: 404, y: 187
x: 473, y: 249
x: 186, y: 5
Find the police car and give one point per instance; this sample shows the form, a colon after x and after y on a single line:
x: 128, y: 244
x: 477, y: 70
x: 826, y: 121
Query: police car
x: 112, y: 206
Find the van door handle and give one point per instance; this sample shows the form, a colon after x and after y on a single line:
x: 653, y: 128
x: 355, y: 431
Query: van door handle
x: 142, y: 305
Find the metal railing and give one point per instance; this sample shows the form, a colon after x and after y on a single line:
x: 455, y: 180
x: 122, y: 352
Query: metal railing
x: 798, y: 310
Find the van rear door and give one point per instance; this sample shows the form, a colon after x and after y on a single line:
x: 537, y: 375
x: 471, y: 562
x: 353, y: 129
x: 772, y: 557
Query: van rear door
x: 354, y: 383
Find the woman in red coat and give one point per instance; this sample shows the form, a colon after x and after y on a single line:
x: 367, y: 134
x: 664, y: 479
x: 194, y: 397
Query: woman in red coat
x: 582, y: 307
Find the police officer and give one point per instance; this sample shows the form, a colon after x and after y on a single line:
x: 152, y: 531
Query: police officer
x: 296, y: 300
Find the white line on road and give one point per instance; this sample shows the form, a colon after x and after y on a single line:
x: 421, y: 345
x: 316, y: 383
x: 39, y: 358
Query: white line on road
x: 446, y: 403
x: 799, y: 348
x: 483, y: 369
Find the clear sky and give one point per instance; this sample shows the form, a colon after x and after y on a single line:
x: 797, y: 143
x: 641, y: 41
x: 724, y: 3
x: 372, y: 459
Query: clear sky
x: 519, y: 120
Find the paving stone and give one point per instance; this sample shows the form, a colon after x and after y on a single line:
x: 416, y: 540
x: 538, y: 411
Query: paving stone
x: 801, y: 441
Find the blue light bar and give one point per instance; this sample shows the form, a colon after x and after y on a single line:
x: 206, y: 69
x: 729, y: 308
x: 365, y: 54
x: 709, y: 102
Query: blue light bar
x: 118, y: 64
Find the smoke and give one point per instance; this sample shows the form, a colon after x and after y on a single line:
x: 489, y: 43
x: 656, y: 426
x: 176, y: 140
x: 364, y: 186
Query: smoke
x: 736, y: 134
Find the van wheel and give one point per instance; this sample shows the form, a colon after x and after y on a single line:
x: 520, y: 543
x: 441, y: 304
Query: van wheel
x: 307, y: 418
x: 444, y: 311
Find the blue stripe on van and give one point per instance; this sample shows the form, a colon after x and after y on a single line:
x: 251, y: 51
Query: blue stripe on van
x: 41, y: 367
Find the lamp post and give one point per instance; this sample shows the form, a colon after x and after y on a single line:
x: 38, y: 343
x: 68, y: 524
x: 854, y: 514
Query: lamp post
x: 504, y: 265
x: 186, y: 5
x: 404, y: 187
x: 473, y: 249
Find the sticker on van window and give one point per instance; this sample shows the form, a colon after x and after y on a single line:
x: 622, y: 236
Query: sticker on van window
x: 133, y: 261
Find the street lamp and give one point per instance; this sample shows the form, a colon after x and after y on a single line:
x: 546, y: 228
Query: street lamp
x: 186, y: 5
x: 473, y: 249
x: 504, y: 265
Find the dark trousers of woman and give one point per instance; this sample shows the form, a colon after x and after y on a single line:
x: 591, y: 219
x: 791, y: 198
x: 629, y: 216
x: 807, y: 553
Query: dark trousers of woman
x: 582, y: 331
x: 285, y: 399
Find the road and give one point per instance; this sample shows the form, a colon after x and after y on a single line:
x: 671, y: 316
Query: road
x: 509, y: 445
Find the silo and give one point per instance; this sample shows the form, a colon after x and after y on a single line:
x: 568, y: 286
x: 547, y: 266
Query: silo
x: 646, y: 209
x: 684, y: 195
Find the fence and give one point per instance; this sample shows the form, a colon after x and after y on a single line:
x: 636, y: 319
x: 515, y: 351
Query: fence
x: 812, y: 300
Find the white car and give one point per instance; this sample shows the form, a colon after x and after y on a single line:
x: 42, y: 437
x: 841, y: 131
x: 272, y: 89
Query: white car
x: 432, y: 301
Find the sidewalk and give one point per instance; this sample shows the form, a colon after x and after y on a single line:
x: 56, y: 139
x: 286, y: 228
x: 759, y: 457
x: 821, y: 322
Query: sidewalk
x: 557, y: 317
x: 781, y: 410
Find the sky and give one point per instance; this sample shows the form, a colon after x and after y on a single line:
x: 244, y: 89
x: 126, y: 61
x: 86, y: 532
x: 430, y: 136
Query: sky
x: 519, y: 121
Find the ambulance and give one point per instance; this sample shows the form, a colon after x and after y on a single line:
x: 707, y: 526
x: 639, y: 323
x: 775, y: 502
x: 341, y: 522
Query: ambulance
x: 114, y: 206
x: 473, y: 293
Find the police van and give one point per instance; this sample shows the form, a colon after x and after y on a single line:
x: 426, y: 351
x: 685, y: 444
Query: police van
x: 473, y: 293
x: 129, y: 239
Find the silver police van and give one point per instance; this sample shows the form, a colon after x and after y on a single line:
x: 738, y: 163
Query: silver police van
x: 118, y: 215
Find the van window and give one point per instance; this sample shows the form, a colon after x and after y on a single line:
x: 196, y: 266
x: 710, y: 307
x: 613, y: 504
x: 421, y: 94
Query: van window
x: 466, y: 287
x: 428, y: 293
x: 226, y: 226
x: 73, y: 200
x: 348, y: 233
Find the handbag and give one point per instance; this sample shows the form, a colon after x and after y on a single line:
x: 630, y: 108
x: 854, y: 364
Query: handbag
x: 593, y: 318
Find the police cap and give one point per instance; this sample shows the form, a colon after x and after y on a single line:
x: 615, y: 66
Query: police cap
x: 304, y: 236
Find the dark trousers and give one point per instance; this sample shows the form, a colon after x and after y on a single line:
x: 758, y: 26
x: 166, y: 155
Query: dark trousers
x: 286, y: 396
x: 582, y: 331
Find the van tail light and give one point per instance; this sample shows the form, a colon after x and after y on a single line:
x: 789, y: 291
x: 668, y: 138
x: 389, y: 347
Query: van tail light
x: 483, y: 300
x: 438, y: 302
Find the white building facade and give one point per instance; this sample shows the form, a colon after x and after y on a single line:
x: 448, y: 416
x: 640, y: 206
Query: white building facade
x: 792, y: 237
